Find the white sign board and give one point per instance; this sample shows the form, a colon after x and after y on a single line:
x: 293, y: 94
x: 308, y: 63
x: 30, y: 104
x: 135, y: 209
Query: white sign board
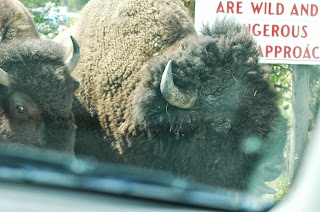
x: 287, y: 31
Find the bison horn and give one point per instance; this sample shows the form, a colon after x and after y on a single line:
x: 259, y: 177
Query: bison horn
x: 73, y: 59
x: 174, y: 95
x: 4, y: 78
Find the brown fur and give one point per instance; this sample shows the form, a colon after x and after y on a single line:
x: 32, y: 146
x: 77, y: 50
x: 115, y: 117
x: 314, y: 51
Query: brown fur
x: 40, y: 83
x: 16, y: 22
x: 122, y: 42
x: 122, y: 116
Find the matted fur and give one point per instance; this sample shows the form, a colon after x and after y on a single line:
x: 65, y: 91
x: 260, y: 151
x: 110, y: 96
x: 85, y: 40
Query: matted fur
x: 125, y: 35
x: 40, y: 83
x: 16, y: 22
x: 122, y: 116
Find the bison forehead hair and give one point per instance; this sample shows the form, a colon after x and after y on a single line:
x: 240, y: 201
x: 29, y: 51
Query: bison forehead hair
x: 37, y: 68
x: 36, y: 94
x: 32, y: 50
x: 222, y: 67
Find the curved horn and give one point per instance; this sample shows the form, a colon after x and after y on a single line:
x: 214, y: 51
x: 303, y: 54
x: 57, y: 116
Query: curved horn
x: 4, y: 78
x: 73, y: 59
x: 173, y: 95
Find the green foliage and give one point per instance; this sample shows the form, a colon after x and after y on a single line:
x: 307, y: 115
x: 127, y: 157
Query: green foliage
x: 37, y: 3
x: 76, y: 5
x: 190, y: 4
x: 282, y: 185
x: 314, y: 97
x: 281, y: 79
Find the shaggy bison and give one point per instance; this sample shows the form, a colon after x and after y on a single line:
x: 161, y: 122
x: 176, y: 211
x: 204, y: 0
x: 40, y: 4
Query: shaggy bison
x: 36, y: 88
x: 16, y: 22
x: 155, y: 94
x: 36, y: 92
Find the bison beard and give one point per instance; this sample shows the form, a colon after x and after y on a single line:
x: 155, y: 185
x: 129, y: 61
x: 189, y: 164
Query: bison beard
x: 124, y: 117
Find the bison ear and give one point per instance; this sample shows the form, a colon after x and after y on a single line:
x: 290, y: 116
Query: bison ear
x: 3, y: 96
x: 76, y: 84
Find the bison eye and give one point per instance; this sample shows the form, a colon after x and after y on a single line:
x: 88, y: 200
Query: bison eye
x: 222, y: 125
x: 219, y: 122
x: 21, y: 109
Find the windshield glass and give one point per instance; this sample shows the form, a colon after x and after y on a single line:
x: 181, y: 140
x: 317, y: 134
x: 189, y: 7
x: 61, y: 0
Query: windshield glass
x: 182, y: 94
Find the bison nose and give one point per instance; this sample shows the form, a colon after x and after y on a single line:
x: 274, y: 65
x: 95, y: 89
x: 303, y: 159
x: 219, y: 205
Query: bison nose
x: 277, y: 161
x: 273, y: 171
x: 279, y: 166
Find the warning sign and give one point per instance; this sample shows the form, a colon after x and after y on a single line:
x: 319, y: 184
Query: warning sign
x: 286, y: 31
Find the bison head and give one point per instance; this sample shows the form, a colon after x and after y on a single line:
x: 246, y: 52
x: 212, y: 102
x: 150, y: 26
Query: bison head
x: 210, y: 108
x: 36, y: 92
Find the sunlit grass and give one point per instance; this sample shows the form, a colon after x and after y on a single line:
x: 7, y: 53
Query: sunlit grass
x: 281, y: 185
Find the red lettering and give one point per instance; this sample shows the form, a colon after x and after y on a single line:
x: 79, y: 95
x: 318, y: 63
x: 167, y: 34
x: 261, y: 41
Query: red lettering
x: 275, y: 30
x: 313, y: 52
x: 287, y: 50
x: 293, y: 30
x: 239, y: 6
x: 297, y: 52
x: 314, y: 10
x: 254, y: 31
x: 265, y: 30
x: 230, y: 6
x: 278, y: 49
x: 305, y: 32
x: 270, y: 13
x: 306, y: 54
x: 269, y: 49
x: 294, y: 10
x: 265, y: 8
x: 278, y: 9
x: 256, y: 8
x: 304, y: 9
x: 260, y: 50
x: 294, y: 52
x: 282, y: 31
x: 220, y: 8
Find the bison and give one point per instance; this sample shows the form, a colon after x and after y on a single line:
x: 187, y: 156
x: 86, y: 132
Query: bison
x: 36, y: 92
x: 16, y: 22
x: 155, y: 94
x: 36, y: 88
